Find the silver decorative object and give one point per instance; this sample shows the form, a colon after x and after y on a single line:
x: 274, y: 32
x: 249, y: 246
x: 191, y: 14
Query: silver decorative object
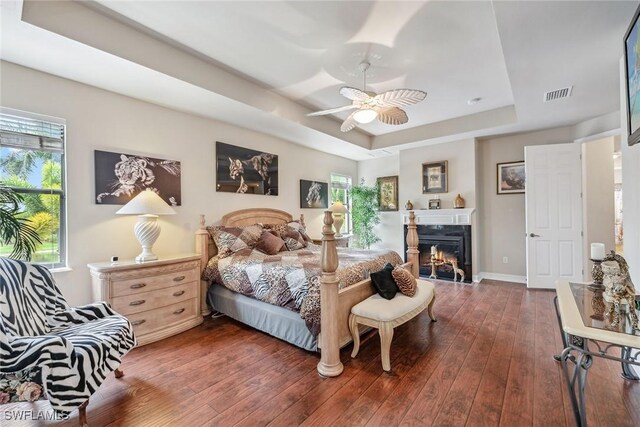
x: 596, y: 273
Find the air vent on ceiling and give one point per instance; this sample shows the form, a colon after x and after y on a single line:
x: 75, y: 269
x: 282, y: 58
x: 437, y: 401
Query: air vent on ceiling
x: 552, y: 95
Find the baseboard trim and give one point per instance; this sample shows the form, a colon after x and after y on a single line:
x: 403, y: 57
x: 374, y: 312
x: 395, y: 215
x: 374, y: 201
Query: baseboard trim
x: 503, y: 277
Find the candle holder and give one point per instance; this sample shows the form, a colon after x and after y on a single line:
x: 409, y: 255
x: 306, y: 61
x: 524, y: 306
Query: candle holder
x: 598, y: 276
x: 435, y: 262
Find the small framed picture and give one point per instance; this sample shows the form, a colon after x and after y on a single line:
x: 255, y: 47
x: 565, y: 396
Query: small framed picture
x: 434, y: 177
x: 511, y: 178
x: 434, y: 203
x: 314, y: 194
x: 388, y: 193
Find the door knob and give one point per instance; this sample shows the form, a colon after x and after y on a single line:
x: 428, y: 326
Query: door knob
x: 534, y: 235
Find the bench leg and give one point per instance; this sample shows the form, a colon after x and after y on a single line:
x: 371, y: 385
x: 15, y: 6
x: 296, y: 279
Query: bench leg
x: 386, y: 336
x: 355, y: 334
x: 430, y: 308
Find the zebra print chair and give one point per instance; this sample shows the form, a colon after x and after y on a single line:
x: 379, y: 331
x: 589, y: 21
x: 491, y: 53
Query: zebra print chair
x: 45, y: 344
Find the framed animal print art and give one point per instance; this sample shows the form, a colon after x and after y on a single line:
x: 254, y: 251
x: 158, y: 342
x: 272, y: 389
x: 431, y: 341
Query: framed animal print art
x: 245, y: 171
x: 314, y: 194
x: 119, y: 177
x: 511, y: 178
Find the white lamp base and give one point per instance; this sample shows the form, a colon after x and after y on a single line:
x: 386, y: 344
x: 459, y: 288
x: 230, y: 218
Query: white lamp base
x: 338, y: 220
x: 147, y: 231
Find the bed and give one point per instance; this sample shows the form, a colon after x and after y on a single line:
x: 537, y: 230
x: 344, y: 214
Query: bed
x: 335, y: 299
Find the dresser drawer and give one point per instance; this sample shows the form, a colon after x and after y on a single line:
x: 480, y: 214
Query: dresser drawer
x: 143, y: 301
x: 158, y: 318
x: 141, y: 282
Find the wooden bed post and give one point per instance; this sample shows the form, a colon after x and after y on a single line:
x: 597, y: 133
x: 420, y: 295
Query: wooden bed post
x: 202, y: 249
x: 302, y: 221
x: 330, y: 364
x: 413, y: 255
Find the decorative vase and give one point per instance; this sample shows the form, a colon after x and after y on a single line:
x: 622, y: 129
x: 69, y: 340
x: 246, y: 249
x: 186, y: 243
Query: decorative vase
x: 458, y: 203
x: 408, y: 206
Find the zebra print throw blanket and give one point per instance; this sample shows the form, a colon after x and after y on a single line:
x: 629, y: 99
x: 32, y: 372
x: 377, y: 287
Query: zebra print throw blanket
x: 291, y: 279
x: 70, y: 351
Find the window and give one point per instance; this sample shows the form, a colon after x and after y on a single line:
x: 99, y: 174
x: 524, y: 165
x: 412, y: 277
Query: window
x: 340, y: 186
x: 32, y: 164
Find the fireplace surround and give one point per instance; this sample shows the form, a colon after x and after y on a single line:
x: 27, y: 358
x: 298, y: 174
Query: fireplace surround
x: 448, y: 235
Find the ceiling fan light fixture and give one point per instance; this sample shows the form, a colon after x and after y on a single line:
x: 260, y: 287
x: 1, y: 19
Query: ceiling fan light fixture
x: 365, y: 116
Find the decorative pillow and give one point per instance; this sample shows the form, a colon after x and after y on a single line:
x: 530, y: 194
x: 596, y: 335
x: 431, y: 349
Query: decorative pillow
x: 383, y: 282
x: 405, y: 281
x: 292, y: 233
x: 270, y: 243
x: 296, y: 225
x: 230, y: 240
x: 293, y: 239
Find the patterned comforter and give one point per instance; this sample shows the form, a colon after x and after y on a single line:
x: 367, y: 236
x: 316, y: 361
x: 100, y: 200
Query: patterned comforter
x: 291, y: 279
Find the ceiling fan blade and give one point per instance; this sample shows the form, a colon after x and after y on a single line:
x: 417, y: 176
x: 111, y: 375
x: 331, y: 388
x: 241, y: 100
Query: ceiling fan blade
x: 354, y: 94
x: 332, y: 110
x: 393, y: 116
x: 349, y: 123
x: 400, y: 97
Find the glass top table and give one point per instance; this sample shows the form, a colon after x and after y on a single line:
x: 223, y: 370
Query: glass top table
x: 585, y: 318
x: 594, y: 310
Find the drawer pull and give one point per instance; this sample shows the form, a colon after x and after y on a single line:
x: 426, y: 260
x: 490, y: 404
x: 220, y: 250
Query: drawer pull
x: 179, y: 278
x: 177, y: 294
x: 138, y: 302
x: 138, y: 322
x: 179, y: 311
x: 138, y: 286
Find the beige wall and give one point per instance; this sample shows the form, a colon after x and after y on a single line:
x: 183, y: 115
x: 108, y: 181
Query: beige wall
x: 390, y: 227
x: 502, y: 217
x: 597, y: 197
x: 97, y: 119
x: 630, y: 191
x: 408, y: 166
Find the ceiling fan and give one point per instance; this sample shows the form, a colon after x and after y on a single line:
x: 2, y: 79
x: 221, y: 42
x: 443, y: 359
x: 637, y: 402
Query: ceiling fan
x: 371, y: 106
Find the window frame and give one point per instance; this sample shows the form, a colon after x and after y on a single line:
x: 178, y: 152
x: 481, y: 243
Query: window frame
x: 62, y: 192
x: 347, y: 197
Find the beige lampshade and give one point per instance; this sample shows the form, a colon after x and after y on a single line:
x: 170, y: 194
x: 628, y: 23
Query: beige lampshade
x: 146, y: 203
x: 338, y: 207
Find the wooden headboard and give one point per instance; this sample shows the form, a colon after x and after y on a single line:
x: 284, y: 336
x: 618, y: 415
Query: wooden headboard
x: 207, y: 248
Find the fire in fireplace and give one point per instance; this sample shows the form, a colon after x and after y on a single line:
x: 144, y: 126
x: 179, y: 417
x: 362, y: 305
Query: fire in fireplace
x: 445, y: 251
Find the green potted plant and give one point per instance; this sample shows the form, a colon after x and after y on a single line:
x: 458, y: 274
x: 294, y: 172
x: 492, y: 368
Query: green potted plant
x: 14, y: 229
x: 364, y: 213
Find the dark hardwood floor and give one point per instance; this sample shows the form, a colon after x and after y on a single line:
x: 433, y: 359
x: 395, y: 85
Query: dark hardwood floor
x: 486, y: 361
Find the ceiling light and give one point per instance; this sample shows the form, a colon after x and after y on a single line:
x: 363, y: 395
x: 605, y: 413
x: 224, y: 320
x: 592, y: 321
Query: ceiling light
x: 474, y: 101
x: 365, y: 116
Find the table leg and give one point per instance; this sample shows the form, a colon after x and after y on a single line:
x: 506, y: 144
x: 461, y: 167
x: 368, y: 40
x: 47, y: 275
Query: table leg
x: 577, y: 378
x: 627, y: 372
x: 562, y: 334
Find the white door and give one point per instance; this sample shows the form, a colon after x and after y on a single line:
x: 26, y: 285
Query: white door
x: 553, y: 214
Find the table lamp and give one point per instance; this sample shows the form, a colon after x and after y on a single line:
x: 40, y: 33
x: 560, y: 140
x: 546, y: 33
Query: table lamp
x: 338, y: 210
x: 147, y: 205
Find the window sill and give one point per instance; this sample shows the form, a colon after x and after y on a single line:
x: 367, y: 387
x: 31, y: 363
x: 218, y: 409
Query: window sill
x: 60, y: 270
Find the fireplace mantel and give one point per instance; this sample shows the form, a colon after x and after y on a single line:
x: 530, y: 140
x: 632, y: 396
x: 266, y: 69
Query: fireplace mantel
x: 440, y: 216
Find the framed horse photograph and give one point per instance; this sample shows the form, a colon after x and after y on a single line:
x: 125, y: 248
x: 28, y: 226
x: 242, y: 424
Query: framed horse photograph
x: 314, y: 194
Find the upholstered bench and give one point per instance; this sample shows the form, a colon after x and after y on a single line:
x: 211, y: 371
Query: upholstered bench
x: 385, y: 315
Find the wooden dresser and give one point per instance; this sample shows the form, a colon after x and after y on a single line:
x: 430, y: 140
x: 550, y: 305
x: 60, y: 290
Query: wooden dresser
x: 160, y: 298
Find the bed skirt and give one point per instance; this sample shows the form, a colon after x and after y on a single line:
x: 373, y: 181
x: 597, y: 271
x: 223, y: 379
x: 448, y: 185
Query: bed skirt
x: 277, y: 321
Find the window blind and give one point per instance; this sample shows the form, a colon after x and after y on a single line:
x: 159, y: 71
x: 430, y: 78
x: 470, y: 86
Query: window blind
x: 20, y: 132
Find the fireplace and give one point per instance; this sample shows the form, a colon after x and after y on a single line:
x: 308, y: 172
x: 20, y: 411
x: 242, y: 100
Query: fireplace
x: 443, y: 250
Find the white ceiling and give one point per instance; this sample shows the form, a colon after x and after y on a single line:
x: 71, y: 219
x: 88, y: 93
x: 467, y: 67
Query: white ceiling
x: 265, y: 65
x: 306, y: 51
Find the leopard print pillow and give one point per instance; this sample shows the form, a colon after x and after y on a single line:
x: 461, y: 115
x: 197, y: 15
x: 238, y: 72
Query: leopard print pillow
x: 292, y: 233
x: 230, y: 240
x: 405, y: 281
